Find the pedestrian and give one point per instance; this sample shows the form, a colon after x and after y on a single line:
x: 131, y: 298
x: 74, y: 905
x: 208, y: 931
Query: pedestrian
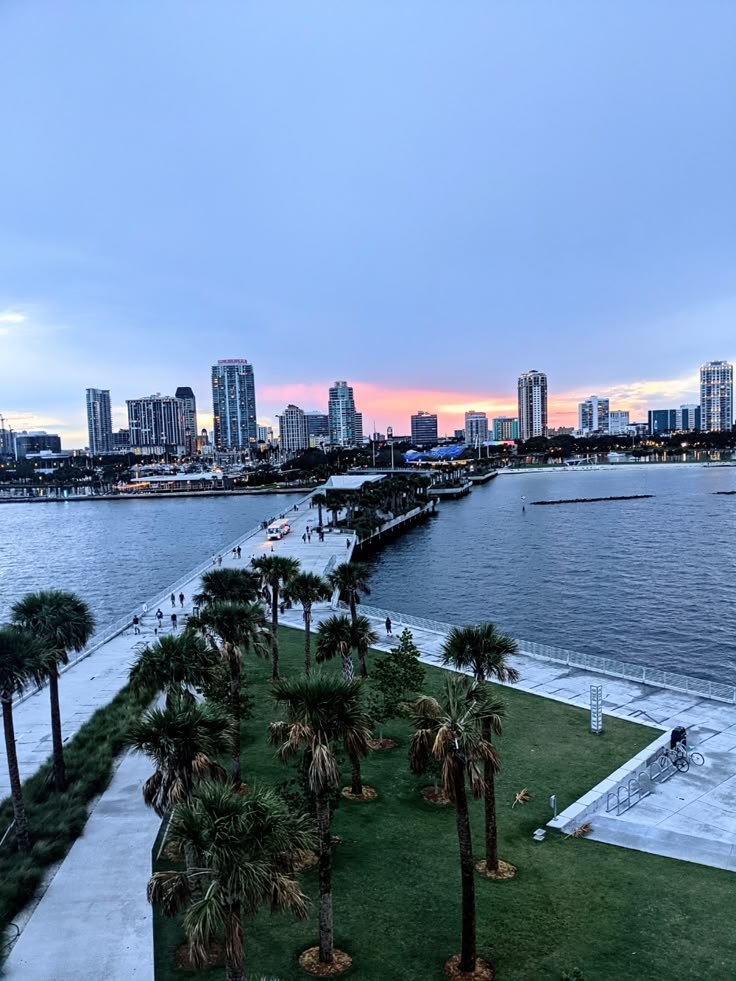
x: 235, y: 553
x: 181, y: 600
x: 136, y: 621
x: 296, y: 507
x: 173, y: 600
x: 155, y: 631
x: 173, y: 621
x: 219, y: 560
x: 238, y: 550
x: 309, y: 536
x: 304, y: 537
x: 347, y: 544
x: 159, y: 616
x: 307, y: 529
x: 388, y: 627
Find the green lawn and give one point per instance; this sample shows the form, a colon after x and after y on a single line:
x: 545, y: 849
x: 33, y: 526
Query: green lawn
x: 615, y: 914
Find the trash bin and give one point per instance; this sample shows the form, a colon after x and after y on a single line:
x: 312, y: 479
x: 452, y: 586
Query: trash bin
x: 679, y: 735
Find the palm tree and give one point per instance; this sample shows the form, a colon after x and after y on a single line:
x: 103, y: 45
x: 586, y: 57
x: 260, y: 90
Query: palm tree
x: 245, y: 844
x: 320, y: 500
x: 351, y: 578
x: 63, y: 623
x: 175, y: 663
x: 320, y: 711
x: 241, y: 585
x: 22, y: 660
x: 451, y: 731
x: 275, y: 572
x: 335, y: 639
x: 234, y: 628
x: 484, y: 651
x: 307, y: 588
x: 182, y: 740
x: 362, y: 638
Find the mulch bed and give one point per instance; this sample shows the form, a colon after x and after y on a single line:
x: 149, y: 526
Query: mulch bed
x: 438, y: 796
x: 183, y: 957
x: 382, y: 743
x: 369, y: 793
x: 505, y: 870
x: 310, y: 962
x: 483, y: 970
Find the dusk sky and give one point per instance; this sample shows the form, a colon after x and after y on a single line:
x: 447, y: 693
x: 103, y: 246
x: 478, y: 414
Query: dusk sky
x: 423, y: 198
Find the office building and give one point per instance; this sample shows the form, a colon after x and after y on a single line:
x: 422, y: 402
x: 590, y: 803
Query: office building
x: 532, y: 390
x: 459, y: 435
x: 190, y: 418
x: 99, y: 421
x: 684, y: 419
x: 6, y: 439
x: 318, y: 427
x: 618, y: 423
x: 34, y: 442
x: 234, y: 404
x: 424, y: 429
x: 342, y: 416
x: 293, y: 432
x: 505, y: 428
x: 688, y: 417
x: 716, y: 396
x: 476, y: 427
x: 593, y: 415
x: 121, y: 440
x: 358, y: 428
x: 156, y: 424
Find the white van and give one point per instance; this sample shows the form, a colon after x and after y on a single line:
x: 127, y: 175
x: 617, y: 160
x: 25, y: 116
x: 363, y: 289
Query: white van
x: 277, y: 529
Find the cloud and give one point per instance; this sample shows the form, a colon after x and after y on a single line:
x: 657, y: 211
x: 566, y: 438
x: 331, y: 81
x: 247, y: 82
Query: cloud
x: 9, y: 319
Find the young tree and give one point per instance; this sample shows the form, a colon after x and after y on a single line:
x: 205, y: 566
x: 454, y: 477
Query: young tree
x: 275, y: 571
x: 174, y: 664
x: 307, y: 588
x: 397, y: 677
x: 63, y: 623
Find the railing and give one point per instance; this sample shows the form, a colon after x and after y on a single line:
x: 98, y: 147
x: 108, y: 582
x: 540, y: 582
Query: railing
x: 601, y: 665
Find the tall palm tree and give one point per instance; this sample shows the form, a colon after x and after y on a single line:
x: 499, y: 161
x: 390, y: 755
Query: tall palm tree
x: 484, y: 651
x: 451, y: 731
x: 241, y: 585
x: 63, y: 623
x: 22, y: 660
x: 181, y: 740
x: 175, y: 663
x: 275, y: 572
x: 335, y: 639
x: 320, y: 500
x: 351, y: 578
x: 319, y: 712
x: 307, y: 588
x: 234, y: 628
x: 362, y: 638
x: 245, y: 844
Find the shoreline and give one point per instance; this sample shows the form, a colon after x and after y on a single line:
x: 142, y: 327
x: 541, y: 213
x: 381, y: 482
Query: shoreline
x: 157, y: 494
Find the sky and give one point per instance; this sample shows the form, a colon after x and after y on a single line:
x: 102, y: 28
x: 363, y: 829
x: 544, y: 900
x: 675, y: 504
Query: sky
x: 423, y: 198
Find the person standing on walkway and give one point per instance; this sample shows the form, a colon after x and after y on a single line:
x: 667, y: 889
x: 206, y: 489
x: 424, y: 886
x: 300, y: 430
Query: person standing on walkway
x: 347, y: 544
x: 238, y: 550
x: 388, y: 627
x: 219, y: 560
x: 173, y: 600
x: 159, y: 616
x: 304, y: 537
x: 235, y: 553
x: 173, y: 621
x: 181, y: 600
x: 136, y: 621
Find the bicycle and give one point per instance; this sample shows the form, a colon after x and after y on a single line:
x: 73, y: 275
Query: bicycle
x: 675, y: 758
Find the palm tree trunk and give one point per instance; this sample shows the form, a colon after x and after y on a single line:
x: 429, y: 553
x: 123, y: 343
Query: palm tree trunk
x: 363, y: 665
x: 462, y: 819
x: 356, y: 778
x: 347, y: 667
x: 353, y: 608
x: 489, y: 795
x: 275, y: 630
x: 307, y: 640
x: 326, y: 939
x: 319, y: 506
x: 58, y: 746
x: 234, y: 966
x: 234, y: 665
x: 16, y: 792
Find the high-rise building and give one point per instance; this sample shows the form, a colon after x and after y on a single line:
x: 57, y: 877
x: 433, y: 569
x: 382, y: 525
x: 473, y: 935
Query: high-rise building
x: 424, y: 428
x: 684, y: 419
x: 618, y: 422
x: 716, y: 396
x: 293, y: 432
x: 593, y: 415
x: 6, y: 439
x: 265, y: 434
x: 156, y: 424
x: 505, y: 428
x: 532, y: 404
x: 234, y: 404
x: 358, y: 428
x: 99, y: 421
x: 476, y: 427
x: 341, y: 412
x: 318, y: 427
x: 187, y: 396
x: 688, y: 417
x: 37, y: 441
x: 121, y: 440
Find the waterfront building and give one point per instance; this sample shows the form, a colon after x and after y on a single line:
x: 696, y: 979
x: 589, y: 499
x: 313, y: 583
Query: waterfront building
x: 318, y: 427
x: 684, y: 419
x: 505, y: 428
x: 121, y: 440
x: 34, y: 442
x: 618, y: 423
x: 189, y: 401
x: 476, y: 427
x: 532, y: 393
x: 561, y: 431
x: 716, y: 396
x: 156, y: 424
x: 343, y: 418
x: 99, y: 421
x: 424, y: 428
x: 6, y: 439
x: 688, y: 417
x: 593, y: 415
x: 234, y: 404
x: 293, y: 432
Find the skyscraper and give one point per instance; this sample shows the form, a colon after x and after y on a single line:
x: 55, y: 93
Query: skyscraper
x: 190, y: 418
x: 593, y: 415
x: 424, y: 428
x: 234, y: 404
x: 156, y: 424
x: 341, y: 412
x: 618, y: 422
x: 99, y: 421
x: 476, y: 427
x: 532, y: 404
x: 716, y: 396
x: 505, y: 428
x: 318, y: 427
x: 293, y: 432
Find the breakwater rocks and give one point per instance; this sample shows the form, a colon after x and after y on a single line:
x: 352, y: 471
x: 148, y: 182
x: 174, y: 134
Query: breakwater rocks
x: 594, y: 500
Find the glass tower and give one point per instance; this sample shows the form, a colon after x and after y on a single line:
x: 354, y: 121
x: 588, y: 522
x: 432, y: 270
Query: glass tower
x: 234, y: 404
x: 99, y: 421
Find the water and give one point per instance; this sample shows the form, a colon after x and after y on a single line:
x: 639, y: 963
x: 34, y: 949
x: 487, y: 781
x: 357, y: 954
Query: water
x: 117, y: 554
x: 650, y: 581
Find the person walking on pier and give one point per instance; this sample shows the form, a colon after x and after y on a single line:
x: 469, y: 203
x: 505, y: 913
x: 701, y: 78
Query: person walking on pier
x: 136, y: 621
x: 238, y: 550
x: 347, y: 544
x: 181, y: 600
x: 388, y: 627
x: 173, y: 600
x: 159, y: 616
x: 173, y: 621
x: 219, y: 560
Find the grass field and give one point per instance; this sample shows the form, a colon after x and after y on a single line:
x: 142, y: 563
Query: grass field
x: 614, y: 914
